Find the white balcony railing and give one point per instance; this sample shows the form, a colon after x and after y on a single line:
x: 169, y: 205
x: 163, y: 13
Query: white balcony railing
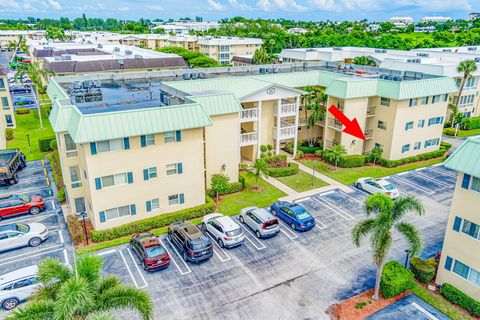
x: 285, y: 132
x: 249, y: 115
x: 288, y: 109
x: 248, y: 139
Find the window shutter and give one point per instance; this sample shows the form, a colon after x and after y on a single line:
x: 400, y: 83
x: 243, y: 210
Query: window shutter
x: 133, y: 209
x: 180, y: 168
x: 178, y: 135
x: 457, y: 223
x: 98, y: 183
x: 126, y: 143
x: 182, y: 198
x: 448, y: 263
x: 102, y: 216
x: 130, y: 177
x: 149, y: 206
x: 145, y: 174
x: 466, y: 181
x: 143, y: 141
x: 93, y: 148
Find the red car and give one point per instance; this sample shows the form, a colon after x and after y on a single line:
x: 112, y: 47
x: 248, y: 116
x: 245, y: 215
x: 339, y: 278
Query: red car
x: 18, y: 204
x: 151, y: 253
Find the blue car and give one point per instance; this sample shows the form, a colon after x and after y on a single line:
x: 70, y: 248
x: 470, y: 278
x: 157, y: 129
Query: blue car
x: 293, y: 214
x: 23, y: 100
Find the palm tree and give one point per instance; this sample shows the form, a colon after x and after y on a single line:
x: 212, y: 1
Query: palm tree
x: 261, y: 56
x: 335, y: 153
x: 80, y: 294
x: 388, y: 215
x: 259, y: 169
x: 314, y: 102
x: 467, y: 67
x: 364, y: 61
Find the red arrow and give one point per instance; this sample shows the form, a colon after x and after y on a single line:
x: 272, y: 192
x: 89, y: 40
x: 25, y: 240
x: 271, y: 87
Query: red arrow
x: 351, y: 126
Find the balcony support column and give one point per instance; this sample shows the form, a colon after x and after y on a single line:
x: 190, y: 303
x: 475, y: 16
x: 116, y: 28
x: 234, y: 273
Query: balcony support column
x: 295, y: 137
x: 259, y: 128
x: 277, y: 141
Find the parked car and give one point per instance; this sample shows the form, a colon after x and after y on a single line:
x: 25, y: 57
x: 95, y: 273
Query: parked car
x: 23, y: 101
x: 262, y: 222
x: 373, y: 186
x: 294, y: 215
x: 193, y: 245
x: 151, y: 253
x: 17, y: 235
x: 11, y: 161
x: 17, y: 286
x: 223, y: 229
x: 19, y: 204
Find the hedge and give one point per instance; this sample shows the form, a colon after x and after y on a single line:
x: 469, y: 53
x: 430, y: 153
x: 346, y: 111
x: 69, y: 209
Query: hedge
x: 445, y: 145
x: 424, y: 270
x: 351, y: 161
x: 449, y: 131
x: 395, y: 279
x: 308, y: 150
x: 22, y: 111
x: 44, y: 144
x: 470, y: 123
x: 418, y: 157
x: 232, y: 188
x: 456, y: 296
x: 153, y: 222
x: 283, y: 171
x: 9, y: 133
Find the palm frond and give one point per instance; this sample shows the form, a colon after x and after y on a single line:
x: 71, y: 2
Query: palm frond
x: 100, y: 315
x: 108, y: 282
x: 47, y: 291
x: 89, y: 267
x: 361, y: 230
x: 74, y: 296
x: 122, y: 297
x: 405, y: 204
x: 412, y: 235
x: 51, y: 269
x: 34, y: 310
x: 377, y: 203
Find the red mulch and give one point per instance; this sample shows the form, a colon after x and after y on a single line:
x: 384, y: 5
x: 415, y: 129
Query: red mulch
x: 345, y: 310
x: 89, y: 229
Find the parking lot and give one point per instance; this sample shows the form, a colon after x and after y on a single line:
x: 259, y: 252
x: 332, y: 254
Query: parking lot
x: 58, y: 245
x: 293, y: 275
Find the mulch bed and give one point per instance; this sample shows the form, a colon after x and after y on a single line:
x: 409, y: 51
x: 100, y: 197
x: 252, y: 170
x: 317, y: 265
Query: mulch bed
x: 346, y: 310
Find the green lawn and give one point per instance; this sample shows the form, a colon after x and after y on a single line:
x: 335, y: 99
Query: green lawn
x: 302, y: 181
x: 29, y: 123
x: 350, y: 175
x: 467, y: 133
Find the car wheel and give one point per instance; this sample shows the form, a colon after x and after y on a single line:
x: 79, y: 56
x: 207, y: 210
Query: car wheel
x: 293, y: 226
x: 359, y: 186
x: 34, y: 210
x: 185, y: 256
x: 274, y: 212
x: 9, y: 304
x: 220, y: 243
x: 241, y: 219
x: 257, y: 233
x: 34, y: 242
x: 15, y: 178
x: 144, y: 266
x: 204, y: 226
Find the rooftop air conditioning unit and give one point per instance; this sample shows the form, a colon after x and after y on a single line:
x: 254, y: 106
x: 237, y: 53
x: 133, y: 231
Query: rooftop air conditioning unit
x: 116, y: 49
x: 337, y: 48
x: 422, y: 54
x: 138, y: 56
x: 128, y: 52
x: 202, y: 75
x: 447, y: 50
x: 186, y: 76
x: 100, y: 46
x: 57, y: 58
x: 477, y: 59
x: 472, y: 48
x: 380, y: 50
x: 121, y: 61
x: 414, y: 60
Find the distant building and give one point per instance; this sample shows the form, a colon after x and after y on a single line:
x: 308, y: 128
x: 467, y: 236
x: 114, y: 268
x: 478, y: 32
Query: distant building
x: 401, y: 20
x: 435, y: 19
x: 297, y: 31
x: 7, y: 36
x: 223, y: 49
x: 374, y: 27
x: 474, y: 16
x: 184, y: 27
x: 425, y: 29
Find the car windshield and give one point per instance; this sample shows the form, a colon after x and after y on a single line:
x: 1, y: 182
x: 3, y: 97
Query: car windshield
x: 389, y: 187
x: 234, y: 233
x: 24, y: 198
x: 155, y: 251
x: 24, y: 228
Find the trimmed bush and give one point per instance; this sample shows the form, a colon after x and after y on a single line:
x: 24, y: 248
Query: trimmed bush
x: 319, y: 153
x: 44, y: 144
x: 243, y: 166
x: 284, y: 171
x: 445, y: 145
x: 308, y: 150
x: 22, y: 111
x: 424, y: 270
x: 232, y: 188
x: 418, y: 157
x: 352, y: 161
x: 153, y: 222
x: 241, y: 179
x: 53, y: 144
x: 395, y: 279
x: 456, y: 296
x: 9, y: 134
x: 449, y: 131
x: 470, y: 123
x: 299, y: 154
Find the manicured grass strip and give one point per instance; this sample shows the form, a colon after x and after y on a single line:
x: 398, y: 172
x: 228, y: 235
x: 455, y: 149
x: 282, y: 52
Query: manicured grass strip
x: 350, y: 175
x: 302, y: 181
x: 440, y: 303
x: 466, y: 133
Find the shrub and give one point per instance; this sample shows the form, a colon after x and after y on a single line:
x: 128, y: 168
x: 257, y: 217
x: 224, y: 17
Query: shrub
x: 276, y: 161
x: 61, y: 194
x: 243, y: 166
x: 153, y: 222
x: 424, y: 270
x: 57, y: 174
x: 289, y: 147
x: 445, y: 145
x: 307, y: 149
x: 76, y: 229
x: 352, y: 161
x: 263, y: 148
x: 9, y: 134
x: 44, y: 144
x: 53, y: 144
x: 456, y: 296
x: 230, y: 188
x: 299, y: 154
x: 23, y: 111
x: 319, y: 153
x: 290, y: 170
x: 241, y: 179
x: 418, y: 157
x: 470, y: 123
x: 395, y: 279
x: 449, y: 131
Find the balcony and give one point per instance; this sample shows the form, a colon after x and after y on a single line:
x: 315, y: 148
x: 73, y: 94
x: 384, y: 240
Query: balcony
x: 248, y: 139
x: 249, y: 115
x: 368, y: 134
x: 287, y: 110
x: 335, y: 124
x: 370, y: 111
x: 330, y: 143
x: 287, y: 132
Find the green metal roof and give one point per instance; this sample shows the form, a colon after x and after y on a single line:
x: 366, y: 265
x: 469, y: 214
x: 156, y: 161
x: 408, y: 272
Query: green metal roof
x: 466, y: 158
x: 217, y: 104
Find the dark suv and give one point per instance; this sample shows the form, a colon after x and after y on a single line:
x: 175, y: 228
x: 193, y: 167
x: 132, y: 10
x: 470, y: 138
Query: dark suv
x: 194, y: 246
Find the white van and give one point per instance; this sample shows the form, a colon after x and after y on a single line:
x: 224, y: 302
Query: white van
x: 17, y: 286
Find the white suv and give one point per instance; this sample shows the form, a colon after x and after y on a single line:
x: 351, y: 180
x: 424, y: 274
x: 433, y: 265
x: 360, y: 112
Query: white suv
x: 17, y: 235
x: 17, y: 286
x: 223, y: 229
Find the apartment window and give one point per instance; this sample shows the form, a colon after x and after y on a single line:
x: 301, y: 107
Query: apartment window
x: 174, y: 168
x: 385, y: 101
x: 5, y: 103
x: 147, y: 140
x: 470, y: 83
x: 431, y: 142
x: 475, y: 184
x: 118, y: 212
x: 405, y: 148
x: 421, y: 123
x: 152, y: 204
x: 445, y: 98
x: 172, y: 136
x: 467, y: 114
x: 425, y: 100
x: 173, y: 200
x: 408, y: 125
x: 417, y: 145
x: 109, y: 145
x: 75, y: 177
x: 436, y: 99
x: 70, y: 146
x: 434, y: 121
x: 9, y: 120
x: 79, y: 205
x: 466, y: 100
x: 470, y: 228
x: 113, y: 180
x: 224, y: 48
x: 382, y: 125
x: 412, y: 102
x: 474, y: 277
x: 2, y: 85
x: 224, y: 55
x: 149, y: 173
x: 461, y: 269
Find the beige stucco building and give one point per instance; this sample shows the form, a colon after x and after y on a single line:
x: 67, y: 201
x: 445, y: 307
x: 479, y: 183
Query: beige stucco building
x: 7, y: 115
x: 460, y: 262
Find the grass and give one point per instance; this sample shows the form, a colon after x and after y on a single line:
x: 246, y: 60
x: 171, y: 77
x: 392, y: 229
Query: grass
x: 437, y: 301
x: 302, y: 181
x: 29, y: 123
x: 350, y: 175
x: 466, y: 133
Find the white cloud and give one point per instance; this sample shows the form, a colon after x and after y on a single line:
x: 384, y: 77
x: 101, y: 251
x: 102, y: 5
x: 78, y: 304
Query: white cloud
x: 327, y: 5
x: 240, y: 5
x: 9, y: 5
x: 54, y: 4
x: 215, y: 5
x: 124, y: 9
x: 155, y: 7
x: 361, y: 4
x: 265, y: 5
x: 444, y: 5
x: 289, y: 5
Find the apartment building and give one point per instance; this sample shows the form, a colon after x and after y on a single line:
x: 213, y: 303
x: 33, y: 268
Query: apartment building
x: 460, y: 263
x: 7, y: 116
x: 223, y: 49
x: 7, y: 36
x: 185, y: 27
x: 435, y: 19
x: 135, y: 145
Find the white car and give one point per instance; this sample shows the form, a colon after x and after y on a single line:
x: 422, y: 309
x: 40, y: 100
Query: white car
x: 373, y: 186
x: 223, y: 229
x: 17, y: 286
x: 17, y: 235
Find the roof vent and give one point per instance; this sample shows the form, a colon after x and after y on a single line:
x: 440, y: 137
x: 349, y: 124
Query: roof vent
x: 138, y: 56
x: 380, y: 50
x: 422, y: 54
x: 414, y: 60
x: 116, y: 49
x: 128, y: 52
x: 472, y: 48
x: 477, y: 59
x: 100, y: 46
x: 447, y: 50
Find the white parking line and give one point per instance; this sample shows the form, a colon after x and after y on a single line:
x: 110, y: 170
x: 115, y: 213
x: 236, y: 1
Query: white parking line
x: 444, y: 172
x: 302, y: 200
x: 245, y: 228
x: 138, y: 269
x: 353, y: 198
x: 332, y: 207
x: 429, y: 192
x: 104, y: 253
x: 54, y: 205
x: 290, y: 234
x: 60, y: 234
x: 180, y: 257
x: 65, y: 255
x: 30, y: 180
x: 128, y: 268
x: 23, y: 191
x: 26, y: 218
x: 29, y: 255
x: 324, y: 226
x: 434, y: 180
x: 215, y: 245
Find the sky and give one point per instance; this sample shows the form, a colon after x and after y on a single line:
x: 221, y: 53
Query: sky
x: 212, y: 10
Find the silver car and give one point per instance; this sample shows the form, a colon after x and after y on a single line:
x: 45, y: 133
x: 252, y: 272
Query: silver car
x: 17, y: 286
x: 262, y: 222
x: 223, y: 229
x: 17, y: 235
x: 373, y: 186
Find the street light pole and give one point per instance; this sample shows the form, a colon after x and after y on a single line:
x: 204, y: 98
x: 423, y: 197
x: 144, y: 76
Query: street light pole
x: 313, y: 174
x: 406, y: 258
x: 84, y: 216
